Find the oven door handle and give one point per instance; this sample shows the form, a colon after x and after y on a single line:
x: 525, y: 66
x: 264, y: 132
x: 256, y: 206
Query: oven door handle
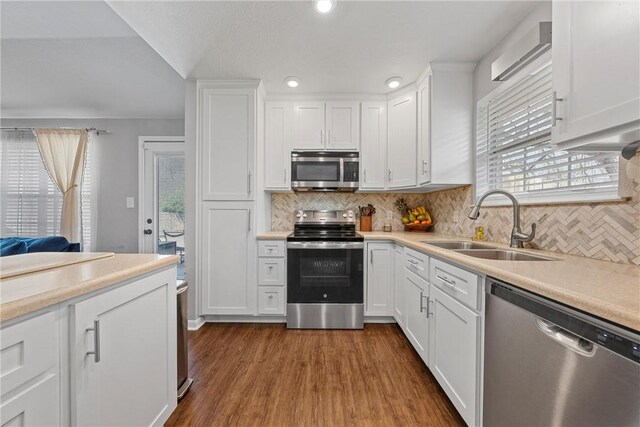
x: 325, y: 245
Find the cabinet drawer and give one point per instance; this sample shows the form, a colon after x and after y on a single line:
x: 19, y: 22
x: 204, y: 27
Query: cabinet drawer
x: 28, y: 349
x: 38, y: 405
x: 460, y: 284
x: 271, y: 300
x: 271, y: 271
x: 417, y: 263
x: 271, y: 248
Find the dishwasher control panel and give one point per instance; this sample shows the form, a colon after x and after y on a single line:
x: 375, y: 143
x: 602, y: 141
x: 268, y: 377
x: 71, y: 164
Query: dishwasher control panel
x: 618, y: 344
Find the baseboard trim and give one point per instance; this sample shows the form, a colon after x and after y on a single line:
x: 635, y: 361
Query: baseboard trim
x: 224, y: 318
x: 194, y: 325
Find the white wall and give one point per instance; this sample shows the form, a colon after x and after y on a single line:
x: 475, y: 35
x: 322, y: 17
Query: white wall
x: 115, y: 158
x: 482, y: 84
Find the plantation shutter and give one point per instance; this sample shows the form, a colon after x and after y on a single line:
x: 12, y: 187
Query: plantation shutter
x: 514, y: 151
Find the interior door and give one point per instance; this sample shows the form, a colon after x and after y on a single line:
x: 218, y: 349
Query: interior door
x: 161, y: 216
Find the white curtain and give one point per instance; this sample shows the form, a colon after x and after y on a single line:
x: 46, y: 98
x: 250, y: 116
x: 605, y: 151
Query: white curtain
x: 64, y: 153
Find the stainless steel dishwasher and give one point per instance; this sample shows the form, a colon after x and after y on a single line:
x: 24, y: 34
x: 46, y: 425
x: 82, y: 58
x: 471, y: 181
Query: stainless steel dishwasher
x: 184, y: 382
x: 548, y: 365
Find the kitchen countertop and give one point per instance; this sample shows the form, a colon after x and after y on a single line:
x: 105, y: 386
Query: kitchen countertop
x: 28, y: 292
x: 30, y: 263
x: 604, y: 289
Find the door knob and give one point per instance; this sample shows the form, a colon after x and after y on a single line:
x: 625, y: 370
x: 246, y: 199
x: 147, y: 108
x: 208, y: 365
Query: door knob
x: 148, y: 231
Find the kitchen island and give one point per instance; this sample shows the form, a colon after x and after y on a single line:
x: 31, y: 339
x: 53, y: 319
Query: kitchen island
x: 88, y: 339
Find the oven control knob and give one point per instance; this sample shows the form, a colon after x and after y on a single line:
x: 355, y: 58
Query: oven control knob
x: 325, y: 295
x: 304, y: 215
x: 344, y: 215
x: 297, y: 215
x: 350, y: 214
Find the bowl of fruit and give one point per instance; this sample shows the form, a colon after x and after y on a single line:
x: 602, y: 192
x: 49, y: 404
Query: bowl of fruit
x: 414, y: 218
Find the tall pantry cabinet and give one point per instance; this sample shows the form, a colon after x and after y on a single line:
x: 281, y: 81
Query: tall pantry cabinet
x: 226, y: 223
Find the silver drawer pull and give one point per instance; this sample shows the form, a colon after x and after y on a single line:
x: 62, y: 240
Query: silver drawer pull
x: 270, y: 267
x: 448, y: 282
x: 96, y: 340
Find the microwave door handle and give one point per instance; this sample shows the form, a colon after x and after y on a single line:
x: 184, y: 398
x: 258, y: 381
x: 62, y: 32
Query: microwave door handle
x: 341, y: 179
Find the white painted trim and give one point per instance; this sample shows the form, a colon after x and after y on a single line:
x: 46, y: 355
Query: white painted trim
x: 194, y: 325
x: 398, y: 93
x: 452, y: 66
x: 322, y: 97
x: 228, y: 84
x: 141, y: 173
x: 562, y: 198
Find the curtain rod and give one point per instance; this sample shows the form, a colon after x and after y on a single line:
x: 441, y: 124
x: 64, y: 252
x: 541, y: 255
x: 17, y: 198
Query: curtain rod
x: 19, y: 129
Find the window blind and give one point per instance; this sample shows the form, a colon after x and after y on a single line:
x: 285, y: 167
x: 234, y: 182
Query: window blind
x: 31, y: 203
x: 514, y: 151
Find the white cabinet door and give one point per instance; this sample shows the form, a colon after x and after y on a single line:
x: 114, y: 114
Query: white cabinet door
x: 399, y: 312
x: 453, y: 352
x: 37, y: 405
x: 342, y: 125
x: 308, y: 126
x: 228, y: 143
x: 401, y: 145
x: 373, y: 152
x: 424, y: 131
x: 380, y: 277
x: 596, y: 58
x: 228, y: 259
x: 124, y: 354
x: 277, y: 153
x: 417, y: 326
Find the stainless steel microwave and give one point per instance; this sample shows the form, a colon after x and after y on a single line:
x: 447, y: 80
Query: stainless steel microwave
x: 324, y: 171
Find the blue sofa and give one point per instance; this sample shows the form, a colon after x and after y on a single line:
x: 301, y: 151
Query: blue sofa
x: 22, y: 245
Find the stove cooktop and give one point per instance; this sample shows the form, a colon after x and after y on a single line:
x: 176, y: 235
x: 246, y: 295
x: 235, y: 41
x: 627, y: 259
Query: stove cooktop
x: 325, y: 225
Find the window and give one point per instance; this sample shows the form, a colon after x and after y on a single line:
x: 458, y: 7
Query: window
x: 31, y: 203
x: 514, y: 151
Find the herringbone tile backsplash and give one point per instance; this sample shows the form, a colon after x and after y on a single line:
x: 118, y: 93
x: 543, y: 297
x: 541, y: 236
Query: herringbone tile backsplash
x: 607, y: 231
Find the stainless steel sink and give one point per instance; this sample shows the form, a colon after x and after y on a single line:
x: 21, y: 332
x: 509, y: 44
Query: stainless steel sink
x: 503, y: 255
x: 457, y: 244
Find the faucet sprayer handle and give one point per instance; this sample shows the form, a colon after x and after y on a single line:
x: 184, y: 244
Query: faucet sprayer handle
x: 528, y: 238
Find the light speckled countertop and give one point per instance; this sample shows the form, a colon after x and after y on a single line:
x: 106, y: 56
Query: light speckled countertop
x: 604, y: 289
x: 25, y: 293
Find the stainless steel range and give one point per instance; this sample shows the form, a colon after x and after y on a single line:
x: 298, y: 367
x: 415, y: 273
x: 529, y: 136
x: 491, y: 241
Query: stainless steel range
x: 325, y: 271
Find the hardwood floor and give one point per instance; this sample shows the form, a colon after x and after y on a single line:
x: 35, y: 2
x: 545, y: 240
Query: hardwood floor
x: 266, y: 375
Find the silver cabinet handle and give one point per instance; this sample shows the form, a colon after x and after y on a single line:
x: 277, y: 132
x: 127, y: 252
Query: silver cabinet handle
x: 270, y: 267
x: 371, y: 257
x: 421, y: 298
x: 554, y: 108
x: 285, y: 175
x: 451, y: 283
x: 424, y: 166
x: 365, y: 175
x: 321, y: 138
x: 428, y: 304
x: 412, y: 262
x: 426, y: 307
x: 96, y: 340
x: 249, y: 220
x: 389, y: 174
x: 249, y: 183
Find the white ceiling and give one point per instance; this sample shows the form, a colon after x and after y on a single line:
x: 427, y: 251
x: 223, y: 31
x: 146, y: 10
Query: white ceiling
x: 352, y: 50
x: 81, y: 60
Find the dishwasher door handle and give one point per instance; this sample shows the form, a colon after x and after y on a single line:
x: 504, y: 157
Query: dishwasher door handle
x: 569, y: 340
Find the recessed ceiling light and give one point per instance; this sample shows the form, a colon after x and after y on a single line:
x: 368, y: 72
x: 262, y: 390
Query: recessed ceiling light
x: 325, y: 6
x: 393, y: 82
x: 292, y: 81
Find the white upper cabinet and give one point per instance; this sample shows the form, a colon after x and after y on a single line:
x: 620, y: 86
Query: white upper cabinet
x: 596, y: 58
x: 401, y: 145
x: 449, y: 117
x: 424, y: 131
x: 227, y: 135
x: 342, y: 125
x: 308, y: 126
x: 373, y: 152
x: 277, y: 151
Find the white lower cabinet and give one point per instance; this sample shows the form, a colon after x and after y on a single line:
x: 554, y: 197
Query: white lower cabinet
x: 227, y: 260
x: 380, y: 279
x: 399, y: 312
x: 417, y: 323
x: 454, y: 352
x: 272, y: 278
x: 123, y: 354
x: 30, y: 368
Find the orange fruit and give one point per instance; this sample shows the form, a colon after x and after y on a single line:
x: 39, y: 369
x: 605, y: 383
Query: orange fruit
x: 425, y: 222
x: 416, y: 222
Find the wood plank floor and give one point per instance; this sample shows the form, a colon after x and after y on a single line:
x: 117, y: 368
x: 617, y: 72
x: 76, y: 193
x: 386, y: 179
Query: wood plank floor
x: 266, y: 375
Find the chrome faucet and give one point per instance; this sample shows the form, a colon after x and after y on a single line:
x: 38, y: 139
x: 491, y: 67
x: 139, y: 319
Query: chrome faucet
x: 517, y: 236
